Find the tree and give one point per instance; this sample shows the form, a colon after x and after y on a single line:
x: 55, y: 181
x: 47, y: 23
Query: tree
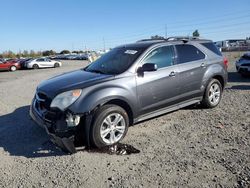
x: 48, y: 53
x: 25, y: 53
x: 9, y: 54
x: 157, y: 37
x: 65, y: 52
x: 196, y: 33
x: 32, y: 53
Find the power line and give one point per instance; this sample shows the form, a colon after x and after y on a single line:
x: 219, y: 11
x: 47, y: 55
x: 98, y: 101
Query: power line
x: 174, y: 28
x: 168, y: 30
x: 190, y: 23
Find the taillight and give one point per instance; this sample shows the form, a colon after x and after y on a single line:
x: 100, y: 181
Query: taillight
x: 225, y: 61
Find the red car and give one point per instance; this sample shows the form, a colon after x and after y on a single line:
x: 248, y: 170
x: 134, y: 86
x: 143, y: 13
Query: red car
x: 11, y: 65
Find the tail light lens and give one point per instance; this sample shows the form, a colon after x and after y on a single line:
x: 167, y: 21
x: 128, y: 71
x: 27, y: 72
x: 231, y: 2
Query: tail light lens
x: 225, y: 61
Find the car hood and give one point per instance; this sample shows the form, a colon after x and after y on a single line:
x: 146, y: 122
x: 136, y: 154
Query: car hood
x: 79, y: 79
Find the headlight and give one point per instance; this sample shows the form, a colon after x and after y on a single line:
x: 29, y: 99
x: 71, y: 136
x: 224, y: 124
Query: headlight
x: 64, y: 100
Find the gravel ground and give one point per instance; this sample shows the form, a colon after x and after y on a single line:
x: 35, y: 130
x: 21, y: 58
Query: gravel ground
x: 191, y: 147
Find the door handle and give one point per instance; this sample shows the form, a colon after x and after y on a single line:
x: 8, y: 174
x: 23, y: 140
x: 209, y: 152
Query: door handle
x: 172, y: 74
x: 203, y: 65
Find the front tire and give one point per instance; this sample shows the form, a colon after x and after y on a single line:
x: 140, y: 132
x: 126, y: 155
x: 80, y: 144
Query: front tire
x: 35, y: 66
x: 110, y: 125
x: 56, y: 65
x: 213, y: 93
x: 13, y: 68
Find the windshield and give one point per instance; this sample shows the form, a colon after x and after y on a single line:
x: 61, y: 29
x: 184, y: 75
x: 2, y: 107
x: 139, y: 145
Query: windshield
x: 116, y: 61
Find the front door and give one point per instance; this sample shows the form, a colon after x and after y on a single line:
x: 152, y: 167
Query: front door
x: 158, y: 89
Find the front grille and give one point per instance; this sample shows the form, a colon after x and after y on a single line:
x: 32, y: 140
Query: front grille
x: 42, y: 105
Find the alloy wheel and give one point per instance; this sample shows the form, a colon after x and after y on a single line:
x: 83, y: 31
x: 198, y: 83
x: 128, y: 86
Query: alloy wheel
x: 214, y: 94
x: 113, y: 127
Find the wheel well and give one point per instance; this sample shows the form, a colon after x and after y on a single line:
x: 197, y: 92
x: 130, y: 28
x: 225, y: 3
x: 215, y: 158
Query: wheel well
x: 221, y: 80
x: 125, y: 106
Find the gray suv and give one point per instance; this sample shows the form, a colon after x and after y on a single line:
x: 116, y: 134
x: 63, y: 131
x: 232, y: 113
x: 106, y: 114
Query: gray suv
x: 129, y: 84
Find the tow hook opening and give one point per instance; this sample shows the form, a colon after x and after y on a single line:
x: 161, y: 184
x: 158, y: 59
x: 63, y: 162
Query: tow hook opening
x: 72, y: 120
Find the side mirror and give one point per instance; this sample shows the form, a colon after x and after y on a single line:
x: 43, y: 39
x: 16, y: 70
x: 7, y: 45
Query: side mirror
x: 148, y: 67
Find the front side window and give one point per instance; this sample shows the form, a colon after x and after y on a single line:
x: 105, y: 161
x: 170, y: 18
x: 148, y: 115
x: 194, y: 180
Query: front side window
x: 162, y: 57
x: 40, y: 60
x: 187, y: 53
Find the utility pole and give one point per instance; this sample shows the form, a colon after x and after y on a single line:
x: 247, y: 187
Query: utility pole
x: 166, y: 31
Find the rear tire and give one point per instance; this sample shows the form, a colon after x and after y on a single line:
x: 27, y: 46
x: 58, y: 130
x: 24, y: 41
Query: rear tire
x: 13, y: 68
x: 110, y: 125
x: 35, y: 66
x: 212, y: 95
x: 56, y: 65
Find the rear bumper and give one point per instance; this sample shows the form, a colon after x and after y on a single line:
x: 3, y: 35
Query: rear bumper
x: 64, y: 139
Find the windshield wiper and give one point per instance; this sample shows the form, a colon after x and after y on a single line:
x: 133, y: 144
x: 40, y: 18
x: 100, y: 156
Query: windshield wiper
x: 95, y: 71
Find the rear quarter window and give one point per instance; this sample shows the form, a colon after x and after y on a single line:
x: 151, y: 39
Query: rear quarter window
x: 212, y: 47
x: 187, y: 53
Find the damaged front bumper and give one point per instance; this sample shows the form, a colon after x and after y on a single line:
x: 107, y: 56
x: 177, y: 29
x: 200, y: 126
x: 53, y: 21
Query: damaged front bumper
x: 55, y: 126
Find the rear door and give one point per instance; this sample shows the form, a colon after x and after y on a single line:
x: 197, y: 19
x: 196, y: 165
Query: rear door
x: 192, y: 66
x: 158, y: 89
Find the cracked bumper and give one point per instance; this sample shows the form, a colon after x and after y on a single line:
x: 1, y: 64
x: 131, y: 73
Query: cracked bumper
x: 65, y: 140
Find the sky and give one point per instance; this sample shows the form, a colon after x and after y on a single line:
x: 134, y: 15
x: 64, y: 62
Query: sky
x: 78, y: 24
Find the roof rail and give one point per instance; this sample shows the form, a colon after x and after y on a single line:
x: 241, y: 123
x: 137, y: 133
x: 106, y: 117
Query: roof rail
x: 184, y: 39
x: 146, y: 40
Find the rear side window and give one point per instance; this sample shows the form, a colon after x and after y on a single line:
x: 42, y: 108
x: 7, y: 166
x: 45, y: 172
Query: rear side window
x: 162, y: 57
x: 212, y: 47
x: 187, y: 53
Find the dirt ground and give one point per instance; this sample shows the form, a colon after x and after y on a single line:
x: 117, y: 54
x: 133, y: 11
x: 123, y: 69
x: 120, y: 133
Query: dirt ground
x: 191, y: 147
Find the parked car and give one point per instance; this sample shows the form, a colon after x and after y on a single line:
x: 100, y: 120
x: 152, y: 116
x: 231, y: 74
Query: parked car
x: 42, y: 63
x: 129, y: 84
x: 23, y: 61
x: 80, y: 57
x: 11, y: 65
x: 58, y: 57
x: 1, y: 60
x: 243, y: 65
